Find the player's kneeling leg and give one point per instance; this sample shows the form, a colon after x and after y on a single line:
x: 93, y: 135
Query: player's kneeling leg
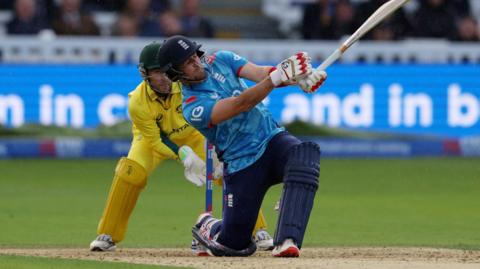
x: 129, y: 180
x: 206, y: 231
x: 300, y: 185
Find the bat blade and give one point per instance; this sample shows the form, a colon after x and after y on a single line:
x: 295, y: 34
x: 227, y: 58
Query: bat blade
x: 379, y: 15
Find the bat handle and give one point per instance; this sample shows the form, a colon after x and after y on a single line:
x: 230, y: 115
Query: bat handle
x: 330, y: 60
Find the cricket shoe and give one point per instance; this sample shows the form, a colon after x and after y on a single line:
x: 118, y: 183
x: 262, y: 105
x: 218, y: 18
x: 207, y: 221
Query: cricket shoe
x: 198, y: 249
x: 103, y: 242
x: 202, y: 232
x: 263, y: 240
x: 204, y: 224
x: 288, y: 249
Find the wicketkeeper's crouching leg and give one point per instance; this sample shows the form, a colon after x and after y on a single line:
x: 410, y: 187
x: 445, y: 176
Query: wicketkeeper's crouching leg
x: 300, y: 185
x: 129, y: 180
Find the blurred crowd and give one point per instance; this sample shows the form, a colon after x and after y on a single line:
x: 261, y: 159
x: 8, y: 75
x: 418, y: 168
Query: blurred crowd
x: 310, y: 19
x: 450, y: 19
x: 134, y: 18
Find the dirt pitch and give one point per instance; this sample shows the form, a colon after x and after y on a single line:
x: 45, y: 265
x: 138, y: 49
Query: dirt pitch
x: 325, y: 258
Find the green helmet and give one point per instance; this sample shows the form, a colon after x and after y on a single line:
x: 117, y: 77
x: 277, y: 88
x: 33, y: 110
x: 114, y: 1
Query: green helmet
x: 148, y: 58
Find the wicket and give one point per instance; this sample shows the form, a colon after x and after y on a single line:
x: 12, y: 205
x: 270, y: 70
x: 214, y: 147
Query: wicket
x: 209, y: 177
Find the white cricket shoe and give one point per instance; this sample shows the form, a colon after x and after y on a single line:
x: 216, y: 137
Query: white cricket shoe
x: 263, y: 240
x: 288, y: 249
x: 198, y: 249
x: 103, y: 242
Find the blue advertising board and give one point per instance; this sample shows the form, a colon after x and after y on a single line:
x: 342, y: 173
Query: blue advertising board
x: 441, y: 100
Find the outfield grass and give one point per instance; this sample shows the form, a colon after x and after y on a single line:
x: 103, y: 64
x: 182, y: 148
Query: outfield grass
x: 19, y: 262
x: 361, y: 202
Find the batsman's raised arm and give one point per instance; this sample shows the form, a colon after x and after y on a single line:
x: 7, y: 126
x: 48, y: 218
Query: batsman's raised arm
x: 288, y: 71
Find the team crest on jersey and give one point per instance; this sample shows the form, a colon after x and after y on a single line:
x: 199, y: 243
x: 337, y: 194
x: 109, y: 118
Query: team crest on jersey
x: 197, y: 113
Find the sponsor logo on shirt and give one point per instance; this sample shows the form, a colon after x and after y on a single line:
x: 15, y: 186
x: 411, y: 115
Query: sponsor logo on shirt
x: 236, y: 57
x: 197, y: 112
x: 178, y: 130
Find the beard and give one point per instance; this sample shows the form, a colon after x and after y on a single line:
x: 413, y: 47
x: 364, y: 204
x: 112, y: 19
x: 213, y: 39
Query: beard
x: 196, y: 78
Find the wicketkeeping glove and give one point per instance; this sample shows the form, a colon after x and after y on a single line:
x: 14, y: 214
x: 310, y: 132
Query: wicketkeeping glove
x: 312, y: 82
x: 291, y: 69
x: 194, y: 166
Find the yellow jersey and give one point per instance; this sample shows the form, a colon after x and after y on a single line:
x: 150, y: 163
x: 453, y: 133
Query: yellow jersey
x: 153, y: 116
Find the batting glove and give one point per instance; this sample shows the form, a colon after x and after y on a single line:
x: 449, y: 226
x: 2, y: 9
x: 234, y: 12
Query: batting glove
x: 291, y: 69
x: 194, y: 166
x: 313, y: 81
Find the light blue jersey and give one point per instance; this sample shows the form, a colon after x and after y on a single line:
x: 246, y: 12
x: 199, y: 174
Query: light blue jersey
x: 242, y: 139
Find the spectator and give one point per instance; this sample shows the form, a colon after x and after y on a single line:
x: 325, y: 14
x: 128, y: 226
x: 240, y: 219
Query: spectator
x: 328, y: 19
x: 46, y: 8
x: 394, y: 27
x: 26, y: 19
x: 343, y: 22
x: 193, y: 24
x: 317, y: 20
x: 169, y: 24
x: 104, y: 5
x: 462, y: 8
x: 434, y: 19
x: 70, y: 20
x: 6, y: 4
x: 126, y: 26
x: 156, y: 6
x: 139, y: 10
x: 468, y: 30
x: 159, y: 6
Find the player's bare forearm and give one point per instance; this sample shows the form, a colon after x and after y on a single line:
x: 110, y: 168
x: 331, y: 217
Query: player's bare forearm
x: 230, y: 107
x: 254, y: 72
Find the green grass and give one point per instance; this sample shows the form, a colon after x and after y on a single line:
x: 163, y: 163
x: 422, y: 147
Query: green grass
x: 361, y: 202
x: 18, y: 262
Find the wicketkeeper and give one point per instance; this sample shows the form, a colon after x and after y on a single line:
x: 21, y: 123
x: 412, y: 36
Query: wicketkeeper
x: 159, y: 130
x: 257, y: 152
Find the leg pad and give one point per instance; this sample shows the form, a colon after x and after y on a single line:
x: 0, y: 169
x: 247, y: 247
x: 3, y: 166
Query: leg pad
x: 129, y: 180
x: 300, y: 185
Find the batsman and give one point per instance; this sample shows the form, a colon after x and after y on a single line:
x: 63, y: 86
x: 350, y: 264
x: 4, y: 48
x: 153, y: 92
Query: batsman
x: 160, y: 132
x: 256, y: 151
